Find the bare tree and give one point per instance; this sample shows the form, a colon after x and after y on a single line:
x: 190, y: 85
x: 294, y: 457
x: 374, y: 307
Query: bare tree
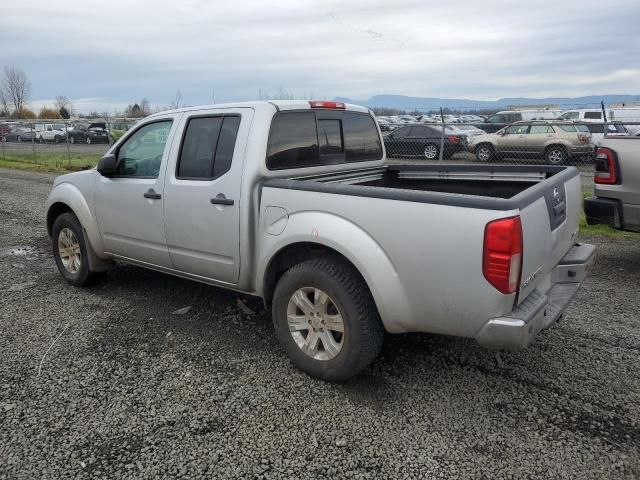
x: 281, y: 94
x: 145, y: 106
x: 63, y: 102
x: 16, y: 87
x: 4, y: 103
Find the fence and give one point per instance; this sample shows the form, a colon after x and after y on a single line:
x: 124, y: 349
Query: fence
x: 64, y: 145
x: 57, y: 144
x: 542, y: 142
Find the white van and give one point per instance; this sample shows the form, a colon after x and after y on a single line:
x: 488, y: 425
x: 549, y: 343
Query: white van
x: 629, y: 114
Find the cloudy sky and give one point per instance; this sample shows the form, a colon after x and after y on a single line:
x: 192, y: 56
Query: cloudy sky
x: 104, y: 55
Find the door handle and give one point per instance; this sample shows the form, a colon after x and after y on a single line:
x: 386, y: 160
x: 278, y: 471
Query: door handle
x: 151, y: 193
x: 220, y: 199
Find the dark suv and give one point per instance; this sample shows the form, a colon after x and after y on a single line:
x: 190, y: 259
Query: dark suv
x: 88, y: 133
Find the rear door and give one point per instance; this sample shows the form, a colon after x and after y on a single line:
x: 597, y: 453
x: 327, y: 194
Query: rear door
x: 202, y: 193
x: 538, y: 137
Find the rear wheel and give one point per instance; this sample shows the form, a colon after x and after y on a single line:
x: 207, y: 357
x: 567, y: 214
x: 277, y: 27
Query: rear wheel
x: 326, y: 320
x: 430, y: 151
x: 556, y: 155
x: 485, y: 152
x: 70, y: 251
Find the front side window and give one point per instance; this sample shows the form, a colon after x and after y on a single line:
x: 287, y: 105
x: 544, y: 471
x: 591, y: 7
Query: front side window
x: 570, y: 116
x: 141, y: 154
x: 517, y: 129
x: 402, y: 132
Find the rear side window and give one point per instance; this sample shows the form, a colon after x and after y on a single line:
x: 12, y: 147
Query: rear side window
x: 536, y: 129
x: 593, y: 115
x: 361, y: 139
x: 293, y: 141
x: 207, y: 148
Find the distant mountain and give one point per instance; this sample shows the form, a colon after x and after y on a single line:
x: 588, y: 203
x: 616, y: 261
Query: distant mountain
x: 403, y: 102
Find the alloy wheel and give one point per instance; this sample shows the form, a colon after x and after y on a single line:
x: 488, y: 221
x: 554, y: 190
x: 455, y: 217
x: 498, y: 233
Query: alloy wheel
x: 69, y: 250
x: 315, y: 323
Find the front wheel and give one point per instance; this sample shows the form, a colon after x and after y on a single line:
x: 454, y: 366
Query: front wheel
x: 485, y: 152
x: 326, y: 320
x: 70, y: 251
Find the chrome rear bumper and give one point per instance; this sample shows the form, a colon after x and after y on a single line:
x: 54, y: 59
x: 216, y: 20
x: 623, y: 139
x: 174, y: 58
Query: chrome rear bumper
x: 539, y: 310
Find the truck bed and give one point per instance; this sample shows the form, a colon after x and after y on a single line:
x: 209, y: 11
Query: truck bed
x: 474, y: 186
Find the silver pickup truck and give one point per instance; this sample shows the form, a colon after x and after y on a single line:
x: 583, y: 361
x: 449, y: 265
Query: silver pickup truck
x: 616, y: 200
x: 292, y: 201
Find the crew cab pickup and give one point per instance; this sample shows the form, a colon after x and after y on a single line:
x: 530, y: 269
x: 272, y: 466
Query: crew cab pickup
x: 616, y: 200
x: 293, y: 202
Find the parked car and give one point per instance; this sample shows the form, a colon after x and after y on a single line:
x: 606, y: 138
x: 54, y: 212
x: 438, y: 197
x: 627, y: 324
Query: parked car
x: 50, y: 132
x: 293, y: 202
x: 5, y: 128
x: 616, y: 195
x: 466, y: 130
x: 20, y: 134
x: 88, y: 133
x: 555, y: 143
x: 423, y: 141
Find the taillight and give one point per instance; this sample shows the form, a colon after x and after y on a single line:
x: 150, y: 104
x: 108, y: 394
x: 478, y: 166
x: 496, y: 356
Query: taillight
x: 453, y: 139
x: 502, y: 256
x: 326, y: 104
x: 605, y: 163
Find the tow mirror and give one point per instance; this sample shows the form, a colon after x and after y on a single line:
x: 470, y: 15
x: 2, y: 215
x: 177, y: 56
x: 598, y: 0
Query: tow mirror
x: 107, y: 165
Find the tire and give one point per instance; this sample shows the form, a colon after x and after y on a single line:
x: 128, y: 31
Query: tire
x: 76, y: 272
x: 555, y: 155
x: 348, y: 299
x: 19, y: 139
x: 485, y: 152
x: 431, y: 151
x: 41, y: 140
x: 56, y: 139
x: 72, y: 140
x: 88, y: 140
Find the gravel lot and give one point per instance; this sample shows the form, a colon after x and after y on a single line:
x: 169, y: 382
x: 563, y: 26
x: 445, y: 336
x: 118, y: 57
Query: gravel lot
x: 109, y: 383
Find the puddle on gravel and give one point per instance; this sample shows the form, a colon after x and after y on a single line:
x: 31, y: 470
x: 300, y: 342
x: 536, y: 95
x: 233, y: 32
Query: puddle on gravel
x: 17, y: 251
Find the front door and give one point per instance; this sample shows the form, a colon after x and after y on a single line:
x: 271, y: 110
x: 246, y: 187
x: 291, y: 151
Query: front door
x: 129, y: 205
x: 202, y: 193
x: 513, y: 141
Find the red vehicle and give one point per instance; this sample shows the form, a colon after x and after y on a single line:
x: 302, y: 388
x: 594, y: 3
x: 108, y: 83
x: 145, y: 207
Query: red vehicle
x: 4, y: 130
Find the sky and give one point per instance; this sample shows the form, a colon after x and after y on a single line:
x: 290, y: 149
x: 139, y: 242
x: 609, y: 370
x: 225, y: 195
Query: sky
x: 105, y: 55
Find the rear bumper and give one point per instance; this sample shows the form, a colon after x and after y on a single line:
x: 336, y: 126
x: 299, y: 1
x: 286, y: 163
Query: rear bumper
x: 539, y: 310
x: 602, y: 211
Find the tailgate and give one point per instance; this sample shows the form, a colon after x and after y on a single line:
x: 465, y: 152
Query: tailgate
x: 549, y: 228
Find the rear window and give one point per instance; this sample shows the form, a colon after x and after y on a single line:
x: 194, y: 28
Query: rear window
x: 361, y: 138
x: 299, y: 139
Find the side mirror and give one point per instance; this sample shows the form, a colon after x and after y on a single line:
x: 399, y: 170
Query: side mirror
x: 107, y: 165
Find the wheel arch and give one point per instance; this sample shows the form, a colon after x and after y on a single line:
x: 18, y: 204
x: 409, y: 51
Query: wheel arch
x: 67, y: 198
x: 344, y: 240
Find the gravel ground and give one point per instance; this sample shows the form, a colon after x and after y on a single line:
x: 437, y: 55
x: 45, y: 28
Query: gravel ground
x: 108, y: 382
